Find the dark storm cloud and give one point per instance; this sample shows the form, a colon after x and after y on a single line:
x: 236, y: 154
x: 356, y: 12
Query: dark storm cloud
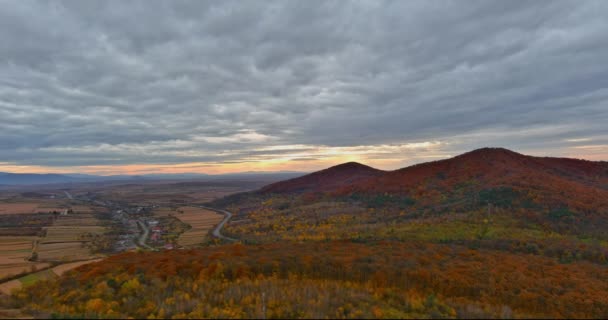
x: 97, y: 82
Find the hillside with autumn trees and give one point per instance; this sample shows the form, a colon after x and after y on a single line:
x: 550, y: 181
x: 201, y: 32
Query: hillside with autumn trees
x: 336, y: 279
x: 325, y: 180
x: 489, y: 234
x: 553, y: 183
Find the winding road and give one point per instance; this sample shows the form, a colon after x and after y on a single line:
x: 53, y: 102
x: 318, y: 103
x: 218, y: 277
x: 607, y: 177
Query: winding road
x: 217, y: 231
x: 144, y: 236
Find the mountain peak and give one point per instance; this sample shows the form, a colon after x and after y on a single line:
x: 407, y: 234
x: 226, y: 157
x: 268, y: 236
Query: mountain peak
x: 328, y: 179
x: 351, y: 166
x: 489, y: 156
x: 492, y: 151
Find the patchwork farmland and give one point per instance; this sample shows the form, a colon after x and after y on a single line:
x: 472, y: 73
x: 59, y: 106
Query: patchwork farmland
x: 41, y: 230
x: 14, y: 254
x: 69, y: 237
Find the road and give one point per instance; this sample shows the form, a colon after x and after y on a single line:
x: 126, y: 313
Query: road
x: 141, y: 241
x: 217, y: 231
x: 144, y: 236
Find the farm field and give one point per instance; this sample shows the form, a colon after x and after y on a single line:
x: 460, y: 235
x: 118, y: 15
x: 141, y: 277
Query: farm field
x: 22, y: 218
x: 69, y: 233
x: 35, y: 277
x: 201, y: 220
x: 82, y: 220
x: 68, y: 237
x: 81, y: 209
x: 57, y: 271
x: 28, y: 280
x: 210, y: 195
x: 14, y: 252
x: 29, y: 207
x: 63, y: 251
x: 29, y: 228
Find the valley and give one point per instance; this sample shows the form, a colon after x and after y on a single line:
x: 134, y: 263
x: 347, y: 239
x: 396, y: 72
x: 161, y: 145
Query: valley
x: 46, y: 233
x: 491, y: 234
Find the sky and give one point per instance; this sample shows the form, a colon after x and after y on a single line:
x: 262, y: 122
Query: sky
x: 133, y: 87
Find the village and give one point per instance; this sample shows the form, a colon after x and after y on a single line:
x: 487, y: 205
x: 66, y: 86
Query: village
x: 139, y: 228
x: 154, y: 227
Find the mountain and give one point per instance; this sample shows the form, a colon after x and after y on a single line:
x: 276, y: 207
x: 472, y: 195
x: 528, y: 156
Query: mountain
x: 269, y: 177
x: 487, y: 175
x: 20, y: 179
x: 30, y: 178
x: 326, y: 180
x: 492, y: 167
x: 498, y: 174
x: 177, y: 176
x: 95, y: 177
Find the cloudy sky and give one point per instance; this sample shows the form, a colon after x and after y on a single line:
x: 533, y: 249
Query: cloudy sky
x: 192, y: 86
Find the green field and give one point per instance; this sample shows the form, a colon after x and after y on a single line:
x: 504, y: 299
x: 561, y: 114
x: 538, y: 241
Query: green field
x: 35, y: 277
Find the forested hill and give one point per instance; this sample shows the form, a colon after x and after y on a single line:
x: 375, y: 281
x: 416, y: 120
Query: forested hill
x: 327, y: 180
x: 501, y: 176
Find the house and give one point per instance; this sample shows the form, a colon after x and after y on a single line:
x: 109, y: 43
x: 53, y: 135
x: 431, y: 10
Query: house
x: 155, y: 237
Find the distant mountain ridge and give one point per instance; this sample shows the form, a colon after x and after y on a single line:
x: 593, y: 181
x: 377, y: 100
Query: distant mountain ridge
x: 24, y: 179
x: 30, y: 178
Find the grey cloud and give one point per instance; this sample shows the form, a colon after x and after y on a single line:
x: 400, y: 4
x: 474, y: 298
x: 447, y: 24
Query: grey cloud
x: 81, y: 75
